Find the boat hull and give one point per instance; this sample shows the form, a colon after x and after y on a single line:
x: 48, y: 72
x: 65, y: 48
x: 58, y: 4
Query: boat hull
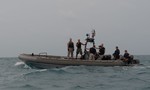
x: 45, y: 61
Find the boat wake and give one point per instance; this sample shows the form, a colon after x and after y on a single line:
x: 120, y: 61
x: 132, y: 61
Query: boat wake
x: 142, y: 67
x: 19, y: 63
x: 22, y: 65
x: 34, y: 72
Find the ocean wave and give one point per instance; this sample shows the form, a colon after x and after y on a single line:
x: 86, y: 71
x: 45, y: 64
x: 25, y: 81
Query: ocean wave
x: 63, y: 70
x: 57, y: 86
x: 78, y: 70
x: 19, y: 63
x: 77, y: 87
x: 148, y: 67
x: 28, y: 87
x: 41, y: 70
x: 142, y: 73
x: 35, y: 72
x: 21, y: 86
x: 141, y: 67
x: 22, y: 65
x: 82, y: 69
x: 125, y: 68
x: 146, y: 88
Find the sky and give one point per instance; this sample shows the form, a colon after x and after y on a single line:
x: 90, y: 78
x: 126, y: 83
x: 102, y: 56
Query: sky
x: 34, y: 26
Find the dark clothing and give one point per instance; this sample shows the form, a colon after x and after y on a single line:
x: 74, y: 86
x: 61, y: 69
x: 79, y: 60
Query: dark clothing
x: 126, y: 55
x: 79, y: 45
x: 116, y: 54
x: 101, y: 51
x: 127, y: 58
x: 70, y: 49
x: 79, y: 49
x: 71, y: 45
x: 93, y: 50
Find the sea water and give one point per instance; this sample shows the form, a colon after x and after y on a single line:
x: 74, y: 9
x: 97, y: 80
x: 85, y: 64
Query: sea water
x: 15, y: 75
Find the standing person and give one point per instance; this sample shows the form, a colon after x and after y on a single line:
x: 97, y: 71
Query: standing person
x: 116, y: 54
x: 92, y: 53
x: 79, y: 48
x: 70, y: 47
x: 101, y: 49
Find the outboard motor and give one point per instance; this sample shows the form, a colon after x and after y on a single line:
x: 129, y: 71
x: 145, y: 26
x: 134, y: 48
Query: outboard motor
x: 135, y: 61
x: 131, y: 57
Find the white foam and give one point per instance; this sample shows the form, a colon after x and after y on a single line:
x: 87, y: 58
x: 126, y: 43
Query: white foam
x: 125, y: 68
x: 41, y: 70
x: 19, y: 63
x: 139, y: 67
x: 148, y: 66
x: 26, y: 66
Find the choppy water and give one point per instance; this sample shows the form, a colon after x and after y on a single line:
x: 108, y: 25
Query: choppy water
x: 15, y: 75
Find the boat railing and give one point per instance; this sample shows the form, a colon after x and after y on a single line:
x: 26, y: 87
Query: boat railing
x: 43, y: 54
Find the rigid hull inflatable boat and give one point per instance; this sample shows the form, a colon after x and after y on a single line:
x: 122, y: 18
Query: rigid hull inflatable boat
x: 47, y: 61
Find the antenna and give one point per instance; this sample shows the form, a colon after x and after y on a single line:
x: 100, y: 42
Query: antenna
x: 93, y: 33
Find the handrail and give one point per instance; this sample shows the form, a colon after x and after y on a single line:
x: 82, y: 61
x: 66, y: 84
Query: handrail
x: 43, y: 53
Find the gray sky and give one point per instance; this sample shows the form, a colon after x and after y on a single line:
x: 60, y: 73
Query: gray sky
x: 28, y: 26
